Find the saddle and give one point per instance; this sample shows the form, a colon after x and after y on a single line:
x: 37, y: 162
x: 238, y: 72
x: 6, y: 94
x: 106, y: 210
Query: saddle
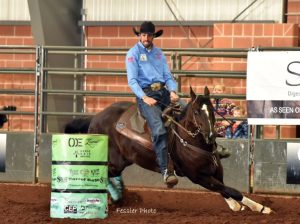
x: 132, y: 125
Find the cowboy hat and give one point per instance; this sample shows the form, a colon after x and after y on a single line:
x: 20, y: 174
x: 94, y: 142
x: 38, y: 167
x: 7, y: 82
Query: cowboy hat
x: 148, y: 27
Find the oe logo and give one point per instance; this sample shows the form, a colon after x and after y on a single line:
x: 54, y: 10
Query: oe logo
x: 75, y: 142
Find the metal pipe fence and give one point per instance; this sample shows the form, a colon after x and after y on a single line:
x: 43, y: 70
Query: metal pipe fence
x: 42, y: 71
x: 17, y: 50
x: 176, y: 56
x: 176, y: 60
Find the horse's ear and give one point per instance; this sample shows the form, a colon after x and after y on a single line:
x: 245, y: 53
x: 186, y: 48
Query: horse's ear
x: 192, y: 93
x: 206, y: 91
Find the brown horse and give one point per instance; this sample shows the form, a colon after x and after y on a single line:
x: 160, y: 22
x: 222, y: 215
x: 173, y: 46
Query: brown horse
x: 193, y: 150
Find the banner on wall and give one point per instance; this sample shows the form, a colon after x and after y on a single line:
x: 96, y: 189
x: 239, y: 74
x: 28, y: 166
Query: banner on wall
x: 273, y: 88
x: 2, y: 152
x: 293, y: 163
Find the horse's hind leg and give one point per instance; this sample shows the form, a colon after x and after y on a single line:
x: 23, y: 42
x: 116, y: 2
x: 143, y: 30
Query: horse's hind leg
x: 115, y: 188
x: 117, y: 164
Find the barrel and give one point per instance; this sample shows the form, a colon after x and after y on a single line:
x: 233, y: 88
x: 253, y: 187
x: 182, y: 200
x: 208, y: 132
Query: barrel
x: 79, y: 176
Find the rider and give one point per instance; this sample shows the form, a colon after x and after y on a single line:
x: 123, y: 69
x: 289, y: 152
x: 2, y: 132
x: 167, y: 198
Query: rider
x: 151, y: 81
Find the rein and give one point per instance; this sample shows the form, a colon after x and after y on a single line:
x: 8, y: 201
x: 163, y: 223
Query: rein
x: 185, y: 143
x: 229, y: 121
x: 198, y: 130
x: 211, y: 155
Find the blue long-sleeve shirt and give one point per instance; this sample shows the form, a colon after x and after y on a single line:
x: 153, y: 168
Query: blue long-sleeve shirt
x: 240, y: 132
x: 146, y: 67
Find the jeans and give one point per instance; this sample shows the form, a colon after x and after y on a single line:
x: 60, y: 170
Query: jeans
x: 152, y: 114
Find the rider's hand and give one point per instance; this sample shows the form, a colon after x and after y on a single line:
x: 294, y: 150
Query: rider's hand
x: 148, y: 100
x: 174, y: 97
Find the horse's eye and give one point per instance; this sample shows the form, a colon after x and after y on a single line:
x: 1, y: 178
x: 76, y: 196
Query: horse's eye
x: 196, y: 112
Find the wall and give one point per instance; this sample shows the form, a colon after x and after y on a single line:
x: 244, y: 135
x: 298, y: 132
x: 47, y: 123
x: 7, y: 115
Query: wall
x: 188, y: 10
x: 220, y: 35
x: 253, y: 35
x: 173, y: 37
x: 17, y: 35
x: 294, y: 13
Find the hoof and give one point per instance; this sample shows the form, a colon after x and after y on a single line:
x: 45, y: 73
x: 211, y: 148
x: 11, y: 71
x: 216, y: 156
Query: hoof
x: 266, y: 210
x: 239, y: 209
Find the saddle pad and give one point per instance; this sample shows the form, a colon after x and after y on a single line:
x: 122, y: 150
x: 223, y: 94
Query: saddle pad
x: 129, y: 126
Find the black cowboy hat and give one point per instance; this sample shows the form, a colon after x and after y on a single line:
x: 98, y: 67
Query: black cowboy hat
x: 148, y: 27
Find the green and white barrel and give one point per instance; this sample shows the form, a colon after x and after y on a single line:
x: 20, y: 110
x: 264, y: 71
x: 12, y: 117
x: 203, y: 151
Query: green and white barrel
x: 79, y: 176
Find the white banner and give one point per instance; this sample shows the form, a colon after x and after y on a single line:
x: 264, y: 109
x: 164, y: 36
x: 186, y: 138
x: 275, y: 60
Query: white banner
x: 2, y: 152
x: 273, y: 88
x: 293, y: 163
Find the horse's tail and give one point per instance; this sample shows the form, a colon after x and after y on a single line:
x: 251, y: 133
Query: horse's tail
x: 78, y: 125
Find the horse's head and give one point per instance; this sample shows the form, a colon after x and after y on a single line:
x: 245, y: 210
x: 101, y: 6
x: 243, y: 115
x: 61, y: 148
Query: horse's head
x: 201, y: 114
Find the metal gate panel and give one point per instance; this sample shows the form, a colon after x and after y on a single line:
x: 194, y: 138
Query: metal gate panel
x: 236, y: 168
x: 45, y: 158
x: 270, y: 168
x: 19, y: 158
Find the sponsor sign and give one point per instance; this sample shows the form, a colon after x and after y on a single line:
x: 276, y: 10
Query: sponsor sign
x: 293, y: 163
x: 79, y: 147
x: 273, y: 88
x: 79, y: 176
x: 2, y: 152
x: 78, y: 205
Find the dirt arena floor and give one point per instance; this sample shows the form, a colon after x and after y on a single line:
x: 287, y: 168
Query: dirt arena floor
x: 31, y: 204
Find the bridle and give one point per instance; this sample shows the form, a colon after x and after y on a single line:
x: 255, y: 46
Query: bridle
x: 190, y: 133
x: 210, y: 155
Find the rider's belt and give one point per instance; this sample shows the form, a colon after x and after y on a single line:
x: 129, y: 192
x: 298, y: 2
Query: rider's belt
x: 154, y: 86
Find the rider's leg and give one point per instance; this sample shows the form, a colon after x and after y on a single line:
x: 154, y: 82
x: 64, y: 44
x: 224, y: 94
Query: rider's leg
x: 159, y: 138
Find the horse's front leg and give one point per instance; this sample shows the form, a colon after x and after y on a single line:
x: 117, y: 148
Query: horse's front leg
x: 254, y: 206
x: 233, y: 197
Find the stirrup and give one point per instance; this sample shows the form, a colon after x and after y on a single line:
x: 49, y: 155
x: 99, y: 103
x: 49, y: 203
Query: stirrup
x: 170, y: 179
